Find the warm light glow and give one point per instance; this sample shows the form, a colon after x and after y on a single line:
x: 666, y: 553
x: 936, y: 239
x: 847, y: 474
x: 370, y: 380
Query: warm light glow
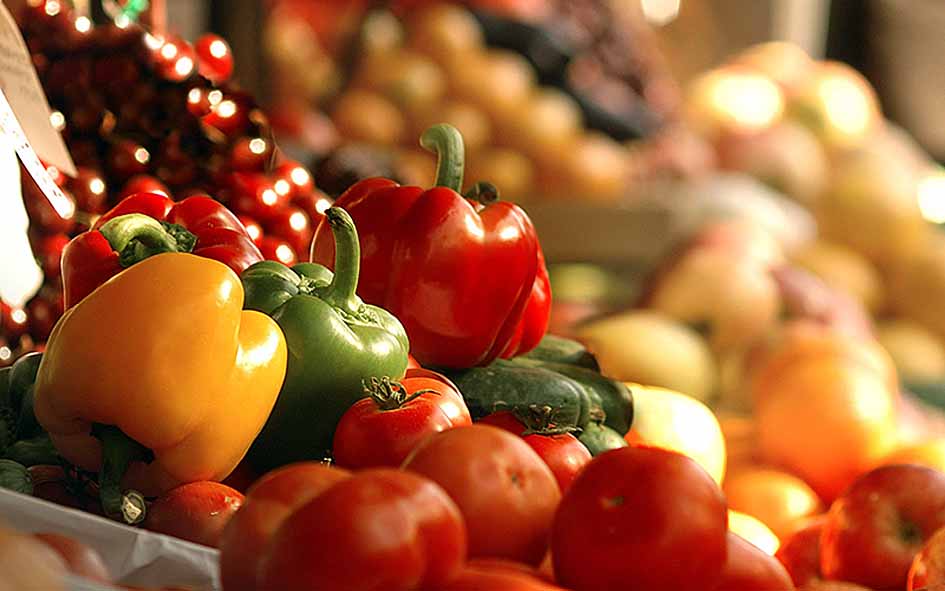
x: 218, y: 48
x: 53, y: 7
x: 322, y: 205
x: 5, y: 353
x: 255, y: 232
x: 122, y: 21
x: 83, y: 24
x: 169, y: 51
x: 509, y: 233
x: 184, y: 66
x: 753, y: 531
x: 932, y: 197
x: 215, y: 97
x: 282, y: 187
x: 848, y: 108
x: 142, y: 156
x: 284, y: 253
x: 226, y: 108
x: 58, y: 120
x: 153, y: 42
x: 660, y: 12
x: 257, y: 146
x: 300, y: 176
x: 97, y: 186
x: 298, y: 221
x: 18, y: 316
x: 270, y: 197
x: 194, y: 96
x: 750, y: 101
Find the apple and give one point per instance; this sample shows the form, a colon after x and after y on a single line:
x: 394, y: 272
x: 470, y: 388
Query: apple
x: 928, y: 567
x: 875, y: 529
x: 800, y: 552
x: 747, y: 568
x: 843, y: 268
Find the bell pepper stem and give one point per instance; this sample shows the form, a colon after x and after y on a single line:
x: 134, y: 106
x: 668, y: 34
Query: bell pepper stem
x: 341, y: 292
x: 446, y: 142
x: 118, y: 451
x: 136, y: 236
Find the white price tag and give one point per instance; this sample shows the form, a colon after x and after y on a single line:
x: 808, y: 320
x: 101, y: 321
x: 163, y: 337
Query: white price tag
x: 20, y: 276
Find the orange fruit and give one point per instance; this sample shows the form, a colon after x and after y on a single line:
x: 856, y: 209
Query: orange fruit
x: 776, y: 498
x: 753, y: 530
x: 928, y: 453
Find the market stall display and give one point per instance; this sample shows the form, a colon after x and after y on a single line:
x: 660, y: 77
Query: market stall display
x: 408, y: 395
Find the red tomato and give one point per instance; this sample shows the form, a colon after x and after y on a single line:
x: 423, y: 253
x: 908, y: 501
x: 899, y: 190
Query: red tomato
x: 749, y: 569
x: 506, y: 492
x: 50, y: 253
x: 268, y: 503
x: 383, y: 429
x: 451, y: 401
x: 196, y: 512
x: 294, y: 226
x: 381, y: 530
x: 215, y: 58
x: 564, y: 454
x: 484, y: 577
x: 276, y: 249
x: 254, y: 194
x: 640, y: 518
x: 253, y: 228
x: 80, y: 559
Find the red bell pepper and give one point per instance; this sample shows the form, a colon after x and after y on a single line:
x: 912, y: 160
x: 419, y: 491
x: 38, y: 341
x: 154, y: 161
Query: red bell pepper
x: 465, y: 275
x: 197, y: 224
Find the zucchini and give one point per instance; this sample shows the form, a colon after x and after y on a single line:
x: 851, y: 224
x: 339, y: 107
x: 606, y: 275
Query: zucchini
x: 15, y: 477
x: 561, y: 350
x: 600, y: 438
x: 614, y: 397
x: 512, y: 387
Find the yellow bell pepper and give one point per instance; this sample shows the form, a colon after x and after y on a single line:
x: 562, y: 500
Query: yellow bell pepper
x: 159, y: 378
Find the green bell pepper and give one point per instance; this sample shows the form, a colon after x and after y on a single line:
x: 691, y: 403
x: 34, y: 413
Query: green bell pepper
x: 335, y: 343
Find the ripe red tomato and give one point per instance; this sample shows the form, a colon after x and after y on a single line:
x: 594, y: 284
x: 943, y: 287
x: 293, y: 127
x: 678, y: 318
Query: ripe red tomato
x: 506, y: 492
x: 382, y: 429
x: 276, y: 249
x: 294, y: 226
x: 255, y: 195
x: 79, y: 558
x: 496, y: 578
x: 640, y: 518
x: 196, y: 512
x: 381, y: 530
x: 564, y: 454
x: 748, y: 569
x: 268, y: 503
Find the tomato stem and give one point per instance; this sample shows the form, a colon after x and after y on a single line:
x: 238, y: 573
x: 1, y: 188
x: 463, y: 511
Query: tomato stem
x: 390, y: 394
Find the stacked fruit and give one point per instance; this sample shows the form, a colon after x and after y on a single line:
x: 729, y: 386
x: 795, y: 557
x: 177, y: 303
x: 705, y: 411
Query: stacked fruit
x: 141, y: 112
x: 544, y: 105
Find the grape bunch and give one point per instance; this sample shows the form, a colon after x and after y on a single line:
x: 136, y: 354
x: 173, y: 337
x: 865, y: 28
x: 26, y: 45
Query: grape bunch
x: 146, y: 112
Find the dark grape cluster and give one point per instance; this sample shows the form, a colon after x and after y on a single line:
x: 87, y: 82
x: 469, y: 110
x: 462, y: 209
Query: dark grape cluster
x: 143, y: 112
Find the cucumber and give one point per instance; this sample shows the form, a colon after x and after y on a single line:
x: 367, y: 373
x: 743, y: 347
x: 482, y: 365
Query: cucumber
x: 15, y: 477
x: 614, y: 397
x: 513, y: 387
x: 561, y: 350
x: 600, y: 438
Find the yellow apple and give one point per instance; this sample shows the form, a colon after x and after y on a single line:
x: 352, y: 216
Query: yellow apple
x: 844, y: 269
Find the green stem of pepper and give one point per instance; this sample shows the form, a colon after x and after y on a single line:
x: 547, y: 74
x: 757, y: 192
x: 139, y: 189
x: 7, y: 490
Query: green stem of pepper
x: 445, y: 141
x: 118, y: 452
x: 341, y: 292
x: 136, y: 236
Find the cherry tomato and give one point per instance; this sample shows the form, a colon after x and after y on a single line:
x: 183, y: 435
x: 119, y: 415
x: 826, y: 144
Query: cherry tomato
x: 276, y: 249
x: 656, y: 506
x: 381, y: 530
x: 255, y: 195
x: 298, y: 177
x: 294, y: 226
x: 253, y: 228
x: 90, y: 191
x: 748, y: 569
x: 44, y: 311
x: 50, y: 253
x: 506, y: 492
x: 268, y: 503
x: 215, y: 58
x: 382, y: 429
x: 562, y: 452
x: 476, y: 577
x: 80, y: 558
x: 196, y: 512
x: 13, y: 321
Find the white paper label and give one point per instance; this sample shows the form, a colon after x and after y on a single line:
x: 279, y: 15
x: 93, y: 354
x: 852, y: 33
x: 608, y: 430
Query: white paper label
x: 20, y: 84
x: 20, y: 276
